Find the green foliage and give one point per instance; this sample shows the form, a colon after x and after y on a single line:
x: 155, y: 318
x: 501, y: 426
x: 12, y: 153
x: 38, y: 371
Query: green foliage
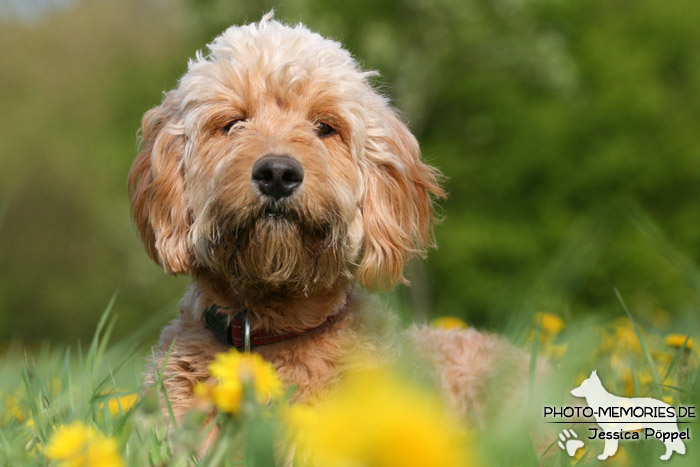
x: 73, y: 86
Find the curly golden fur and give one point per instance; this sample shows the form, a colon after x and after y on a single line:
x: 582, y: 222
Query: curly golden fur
x: 364, y: 208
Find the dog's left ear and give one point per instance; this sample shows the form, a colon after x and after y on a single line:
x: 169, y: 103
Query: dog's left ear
x: 397, y: 204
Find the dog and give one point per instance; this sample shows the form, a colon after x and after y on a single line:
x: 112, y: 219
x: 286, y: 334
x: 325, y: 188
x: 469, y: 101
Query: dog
x: 285, y: 186
x: 614, y: 425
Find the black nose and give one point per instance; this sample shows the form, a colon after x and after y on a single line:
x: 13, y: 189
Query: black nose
x: 277, y: 176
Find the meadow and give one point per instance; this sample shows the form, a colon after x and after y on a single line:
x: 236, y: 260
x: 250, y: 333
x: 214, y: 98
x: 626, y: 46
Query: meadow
x: 78, y: 406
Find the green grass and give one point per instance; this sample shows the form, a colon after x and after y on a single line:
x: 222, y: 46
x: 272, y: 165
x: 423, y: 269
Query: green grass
x: 48, y: 387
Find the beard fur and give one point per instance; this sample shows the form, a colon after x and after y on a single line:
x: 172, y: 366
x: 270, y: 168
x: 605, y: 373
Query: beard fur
x: 278, y: 253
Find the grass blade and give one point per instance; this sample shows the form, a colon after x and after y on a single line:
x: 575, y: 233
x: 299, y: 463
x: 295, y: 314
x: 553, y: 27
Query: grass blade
x: 677, y: 357
x: 645, y: 349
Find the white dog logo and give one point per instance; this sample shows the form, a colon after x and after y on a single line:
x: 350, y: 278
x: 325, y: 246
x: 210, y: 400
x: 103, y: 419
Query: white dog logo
x: 616, y: 415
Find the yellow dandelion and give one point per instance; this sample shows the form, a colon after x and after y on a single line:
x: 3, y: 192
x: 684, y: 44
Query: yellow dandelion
x: 228, y: 395
x: 646, y: 378
x: 624, y: 336
x: 78, y: 445
x: 120, y: 404
x: 677, y: 340
x: 233, y: 370
x: 13, y: 408
x: 201, y: 390
x: 449, y: 322
x: 551, y: 324
x: 375, y: 419
x: 627, y: 382
x: 664, y: 358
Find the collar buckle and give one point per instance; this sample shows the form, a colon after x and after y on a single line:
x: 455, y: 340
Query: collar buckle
x: 245, y: 319
x: 217, y: 324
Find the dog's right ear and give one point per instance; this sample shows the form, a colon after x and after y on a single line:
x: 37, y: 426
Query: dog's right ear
x: 156, y: 189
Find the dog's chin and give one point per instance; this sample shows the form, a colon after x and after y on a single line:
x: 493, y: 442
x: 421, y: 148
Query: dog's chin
x: 280, y: 251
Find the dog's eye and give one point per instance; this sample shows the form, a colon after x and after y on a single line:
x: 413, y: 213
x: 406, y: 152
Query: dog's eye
x: 226, y: 128
x: 323, y: 129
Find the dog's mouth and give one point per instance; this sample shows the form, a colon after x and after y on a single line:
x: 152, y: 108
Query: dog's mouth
x: 276, y: 211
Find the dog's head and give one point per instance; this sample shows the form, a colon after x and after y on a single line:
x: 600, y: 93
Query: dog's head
x: 275, y: 166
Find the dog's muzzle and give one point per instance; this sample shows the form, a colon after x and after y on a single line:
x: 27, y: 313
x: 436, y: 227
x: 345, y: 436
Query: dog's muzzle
x: 277, y: 176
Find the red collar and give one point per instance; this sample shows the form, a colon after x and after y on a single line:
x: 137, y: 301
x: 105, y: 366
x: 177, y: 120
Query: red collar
x: 232, y: 333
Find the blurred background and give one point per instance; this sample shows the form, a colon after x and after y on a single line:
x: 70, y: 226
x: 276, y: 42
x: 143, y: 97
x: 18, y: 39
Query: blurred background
x: 569, y: 130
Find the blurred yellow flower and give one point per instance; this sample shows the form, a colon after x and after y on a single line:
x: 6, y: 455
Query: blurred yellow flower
x: 118, y: 404
x: 646, y: 378
x: 551, y: 324
x: 623, y: 337
x: 226, y: 395
x: 233, y: 370
x: 12, y: 408
x: 78, y: 445
x: 663, y: 357
x: 627, y: 382
x: 375, y: 419
x: 677, y: 340
x: 449, y: 322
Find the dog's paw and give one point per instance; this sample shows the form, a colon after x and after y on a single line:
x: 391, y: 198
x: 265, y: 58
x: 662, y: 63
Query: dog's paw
x: 569, y: 443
